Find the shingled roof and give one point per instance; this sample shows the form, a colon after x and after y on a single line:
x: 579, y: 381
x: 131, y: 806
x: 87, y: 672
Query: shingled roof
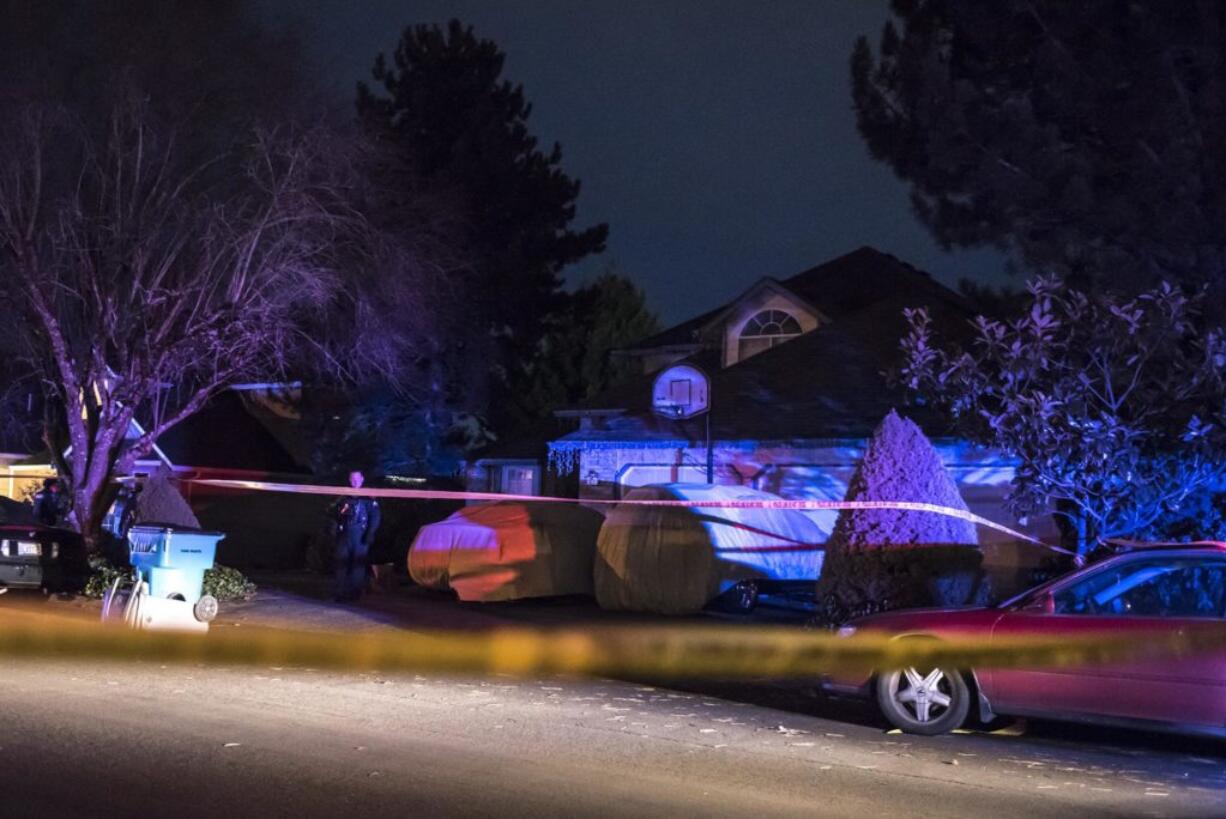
x: 839, y: 287
x: 225, y: 435
x: 827, y: 384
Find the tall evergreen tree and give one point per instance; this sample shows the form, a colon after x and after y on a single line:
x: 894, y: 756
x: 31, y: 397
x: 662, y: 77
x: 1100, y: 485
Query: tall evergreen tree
x: 575, y: 360
x: 444, y: 108
x: 1086, y: 138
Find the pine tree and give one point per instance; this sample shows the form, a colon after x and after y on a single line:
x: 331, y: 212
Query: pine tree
x: 453, y: 123
x: 888, y: 558
x: 1085, y: 138
x: 575, y: 361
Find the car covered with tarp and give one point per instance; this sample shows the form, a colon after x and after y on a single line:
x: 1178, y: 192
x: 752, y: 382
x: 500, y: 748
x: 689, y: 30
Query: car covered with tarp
x: 677, y: 560
x: 508, y: 551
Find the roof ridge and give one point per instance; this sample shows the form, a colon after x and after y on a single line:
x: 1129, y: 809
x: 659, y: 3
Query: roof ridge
x: 863, y: 250
x: 676, y: 335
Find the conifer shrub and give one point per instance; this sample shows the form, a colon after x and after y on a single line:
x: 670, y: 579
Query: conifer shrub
x: 161, y: 502
x: 882, y: 559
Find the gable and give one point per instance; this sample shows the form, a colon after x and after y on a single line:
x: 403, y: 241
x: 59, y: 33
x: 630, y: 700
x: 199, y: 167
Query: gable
x: 764, y: 317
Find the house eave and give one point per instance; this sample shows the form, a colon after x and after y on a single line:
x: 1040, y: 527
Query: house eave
x: 589, y: 413
x: 680, y: 349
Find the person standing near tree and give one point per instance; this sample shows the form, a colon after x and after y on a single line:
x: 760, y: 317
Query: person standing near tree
x: 50, y: 503
x: 355, y: 521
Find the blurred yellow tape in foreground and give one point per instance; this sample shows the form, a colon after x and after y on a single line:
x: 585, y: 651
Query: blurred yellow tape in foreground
x: 716, y: 651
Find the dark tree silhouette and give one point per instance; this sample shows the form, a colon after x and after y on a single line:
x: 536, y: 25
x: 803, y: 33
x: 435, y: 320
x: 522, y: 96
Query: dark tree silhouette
x: 1087, y: 138
x: 576, y: 358
x: 217, y: 92
x: 211, y: 64
x: 143, y: 288
x: 457, y: 125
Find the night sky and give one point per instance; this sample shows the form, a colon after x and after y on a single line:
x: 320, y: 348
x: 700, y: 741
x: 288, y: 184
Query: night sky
x: 716, y: 138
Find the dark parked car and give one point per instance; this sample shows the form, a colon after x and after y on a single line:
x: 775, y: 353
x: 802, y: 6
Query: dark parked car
x: 41, y: 557
x: 1152, y: 590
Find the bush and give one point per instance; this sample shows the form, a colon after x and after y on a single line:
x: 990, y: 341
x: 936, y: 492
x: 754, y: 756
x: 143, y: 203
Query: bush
x: 102, y: 574
x: 222, y: 582
x: 881, y: 559
x: 877, y: 580
x: 161, y: 502
x: 228, y: 584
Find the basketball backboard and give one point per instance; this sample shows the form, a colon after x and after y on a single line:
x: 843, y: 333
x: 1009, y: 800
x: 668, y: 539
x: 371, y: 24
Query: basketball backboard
x: 681, y: 391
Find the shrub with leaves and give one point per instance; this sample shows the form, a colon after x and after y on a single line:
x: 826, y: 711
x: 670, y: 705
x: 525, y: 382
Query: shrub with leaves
x: 878, y: 559
x: 222, y: 582
x: 102, y: 575
x: 228, y: 584
x: 1113, y: 406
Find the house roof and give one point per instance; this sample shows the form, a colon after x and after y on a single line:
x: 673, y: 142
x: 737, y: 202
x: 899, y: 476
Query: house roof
x: 825, y: 384
x: 530, y: 444
x: 17, y: 437
x: 225, y: 435
x: 682, y: 334
x: 866, y: 278
x: 843, y: 285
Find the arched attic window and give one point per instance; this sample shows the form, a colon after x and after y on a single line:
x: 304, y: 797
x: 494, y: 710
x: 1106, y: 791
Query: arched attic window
x: 766, y: 329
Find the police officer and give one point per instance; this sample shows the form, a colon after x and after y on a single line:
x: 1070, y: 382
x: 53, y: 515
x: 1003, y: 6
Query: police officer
x: 50, y: 503
x: 355, y: 521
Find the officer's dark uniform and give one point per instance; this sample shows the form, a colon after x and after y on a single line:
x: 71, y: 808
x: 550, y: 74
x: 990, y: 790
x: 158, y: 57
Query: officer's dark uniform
x: 356, y: 520
x: 50, y: 505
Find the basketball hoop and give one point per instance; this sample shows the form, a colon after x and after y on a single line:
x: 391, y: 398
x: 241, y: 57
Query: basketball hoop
x: 684, y: 391
x: 670, y: 410
x: 680, y: 392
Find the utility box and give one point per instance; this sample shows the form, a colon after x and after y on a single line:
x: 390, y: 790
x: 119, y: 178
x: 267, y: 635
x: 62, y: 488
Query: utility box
x: 172, y: 559
x: 166, y: 590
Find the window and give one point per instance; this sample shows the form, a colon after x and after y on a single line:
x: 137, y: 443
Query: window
x: 765, y: 330
x: 1152, y: 587
x: 519, y: 480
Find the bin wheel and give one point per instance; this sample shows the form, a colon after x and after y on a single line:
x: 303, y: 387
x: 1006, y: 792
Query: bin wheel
x: 205, y: 608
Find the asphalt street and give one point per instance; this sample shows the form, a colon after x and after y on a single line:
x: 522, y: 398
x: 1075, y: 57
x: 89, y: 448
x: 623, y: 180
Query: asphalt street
x: 171, y: 741
x: 151, y: 740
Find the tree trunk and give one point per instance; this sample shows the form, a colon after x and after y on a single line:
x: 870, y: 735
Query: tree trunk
x: 88, y: 512
x: 89, y: 469
x: 1087, y: 537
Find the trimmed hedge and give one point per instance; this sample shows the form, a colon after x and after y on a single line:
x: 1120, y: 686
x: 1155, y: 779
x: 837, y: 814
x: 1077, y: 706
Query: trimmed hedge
x: 882, y: 559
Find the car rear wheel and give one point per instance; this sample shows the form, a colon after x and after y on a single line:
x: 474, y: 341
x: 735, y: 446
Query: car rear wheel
x: 929, y: 702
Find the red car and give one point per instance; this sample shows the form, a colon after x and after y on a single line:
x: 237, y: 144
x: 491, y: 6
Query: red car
x: 1144, y: 590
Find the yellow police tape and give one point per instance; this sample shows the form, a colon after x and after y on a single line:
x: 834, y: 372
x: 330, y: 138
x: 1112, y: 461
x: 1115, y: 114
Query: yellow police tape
x: 649, y: 651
